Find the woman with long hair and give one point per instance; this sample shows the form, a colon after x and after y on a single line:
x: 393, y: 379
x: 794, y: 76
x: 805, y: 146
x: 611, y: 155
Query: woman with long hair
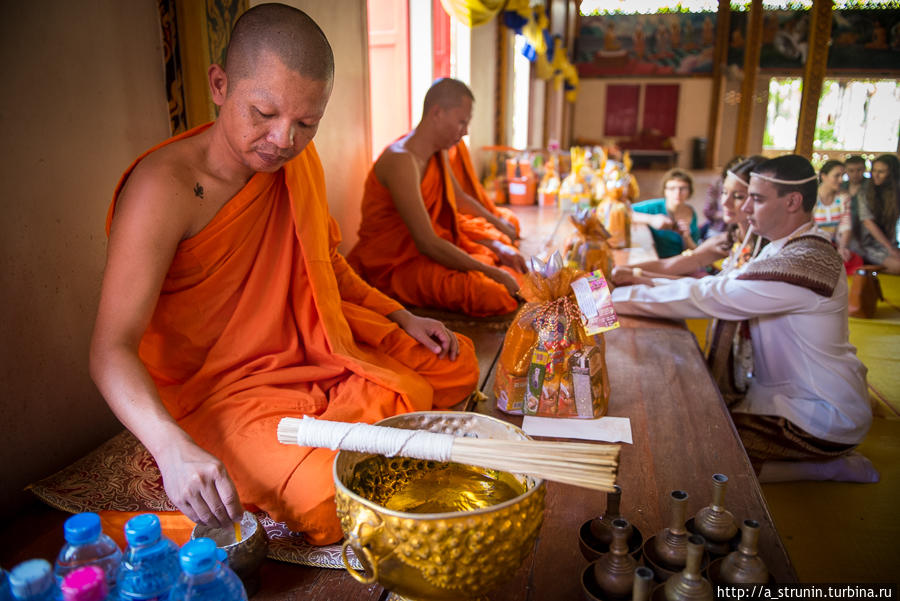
x: 736, y: 244
x: 832, y: 203
x: 873, y: 218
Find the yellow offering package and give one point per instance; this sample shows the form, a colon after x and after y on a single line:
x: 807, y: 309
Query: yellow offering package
x: 535, y: 367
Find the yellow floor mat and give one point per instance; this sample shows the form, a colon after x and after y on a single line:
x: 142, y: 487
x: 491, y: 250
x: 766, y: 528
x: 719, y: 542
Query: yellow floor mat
x: 842, y: 532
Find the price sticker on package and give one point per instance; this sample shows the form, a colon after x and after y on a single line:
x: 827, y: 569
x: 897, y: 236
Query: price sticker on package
x: 595, y: 301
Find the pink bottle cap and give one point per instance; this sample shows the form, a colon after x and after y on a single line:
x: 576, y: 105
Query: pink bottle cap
x: 84, y: 584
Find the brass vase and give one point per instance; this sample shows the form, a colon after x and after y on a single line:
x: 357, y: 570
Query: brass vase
x: 670, y: 544
x: 689, y: 584
x: 643, y: 579
x: 614, y: 571
x: 745, y: 566
x: 715, y: 523
x: 601, y: 527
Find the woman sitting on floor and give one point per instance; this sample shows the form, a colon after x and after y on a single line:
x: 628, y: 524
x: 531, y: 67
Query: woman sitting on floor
x: 832, y: 203
x: 672, y: 221
x: 873, y: 218
x: 737, y: 244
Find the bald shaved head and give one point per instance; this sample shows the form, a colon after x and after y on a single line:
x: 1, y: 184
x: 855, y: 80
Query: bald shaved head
x: 285, y: 31
x: 446, y: 93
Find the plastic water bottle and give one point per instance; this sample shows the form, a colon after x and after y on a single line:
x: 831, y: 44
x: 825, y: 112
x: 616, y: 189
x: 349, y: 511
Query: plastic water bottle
x: 86, y: 544
x: 5, y: 593
x: 87, y: 583
x: 33, y: 580
x: 205, y: 576
x: 150, y: 565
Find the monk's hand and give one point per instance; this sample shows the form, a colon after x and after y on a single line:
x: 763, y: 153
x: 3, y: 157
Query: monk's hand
x: 198, y: 484
x: 431, y: 333
x: 507, y: 228
x: 510, y: 257
x: 508, y: 281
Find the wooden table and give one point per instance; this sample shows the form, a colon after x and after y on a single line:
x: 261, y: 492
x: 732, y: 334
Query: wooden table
x: 682, y: 436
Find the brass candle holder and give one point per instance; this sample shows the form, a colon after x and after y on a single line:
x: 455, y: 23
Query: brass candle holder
x: 743, y: 566
x: 666, y: 552
x: 614, y: 571
x: 689, y: 584
x: 595, y: 535
x: 715, y: 523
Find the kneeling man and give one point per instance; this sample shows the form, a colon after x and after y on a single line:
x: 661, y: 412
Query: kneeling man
x: 226, y: 306
x: 411, y: 245
x: 806, y: 407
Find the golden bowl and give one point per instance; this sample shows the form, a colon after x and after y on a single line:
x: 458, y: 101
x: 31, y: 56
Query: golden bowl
x: 434, y: 556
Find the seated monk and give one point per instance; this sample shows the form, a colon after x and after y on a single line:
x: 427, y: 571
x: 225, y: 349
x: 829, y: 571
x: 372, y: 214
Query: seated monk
x: 411, y: 245
x: 496, y: 223
x: 226, y: 307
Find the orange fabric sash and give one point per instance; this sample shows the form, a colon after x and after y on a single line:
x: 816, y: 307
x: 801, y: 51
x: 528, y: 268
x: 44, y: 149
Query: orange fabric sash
x: 233, y: 344
x: 477, y: 227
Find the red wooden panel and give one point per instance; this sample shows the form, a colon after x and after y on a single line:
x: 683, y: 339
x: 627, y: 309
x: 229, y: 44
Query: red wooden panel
x: 661, y: 108
x: 621, y: 109
x: 440, y: 40
x: 388, y: 28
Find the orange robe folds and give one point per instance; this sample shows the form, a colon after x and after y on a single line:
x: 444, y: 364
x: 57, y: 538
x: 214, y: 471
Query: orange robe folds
x: 260, y: 318
x: 387, y: 257
x: 477, y: 228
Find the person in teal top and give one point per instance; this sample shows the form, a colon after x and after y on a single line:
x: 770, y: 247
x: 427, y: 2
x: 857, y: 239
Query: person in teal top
x: 672, y: 221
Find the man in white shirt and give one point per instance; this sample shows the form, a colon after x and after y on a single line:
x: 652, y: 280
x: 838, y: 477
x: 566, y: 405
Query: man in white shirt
x: 807, y: 405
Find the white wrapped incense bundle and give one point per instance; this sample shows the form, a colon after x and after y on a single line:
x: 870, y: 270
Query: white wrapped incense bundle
x: 580, y: 464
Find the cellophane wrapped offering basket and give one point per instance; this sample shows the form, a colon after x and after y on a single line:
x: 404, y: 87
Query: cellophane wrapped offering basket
x: 588, y: 249
x: 549, y: 365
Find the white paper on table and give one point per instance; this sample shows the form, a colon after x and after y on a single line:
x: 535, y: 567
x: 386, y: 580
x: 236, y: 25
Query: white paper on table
x: 607, y: 429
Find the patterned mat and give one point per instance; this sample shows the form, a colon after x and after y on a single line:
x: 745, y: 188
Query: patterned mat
x: 121, y: 475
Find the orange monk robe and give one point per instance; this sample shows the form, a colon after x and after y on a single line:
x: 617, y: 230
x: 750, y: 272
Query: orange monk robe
x: 387, y: 257
x: 260, y: 318
x: 477, y: 228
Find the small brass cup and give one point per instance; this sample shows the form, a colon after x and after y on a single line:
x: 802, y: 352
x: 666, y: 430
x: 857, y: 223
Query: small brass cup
x: 243, y: 557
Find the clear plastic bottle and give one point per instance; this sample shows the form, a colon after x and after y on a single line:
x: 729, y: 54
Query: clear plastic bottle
x: 86, y: 544
x: 33, y: 580
x: 150, y: 566
x: 87, y: 583
x: 205, y: 576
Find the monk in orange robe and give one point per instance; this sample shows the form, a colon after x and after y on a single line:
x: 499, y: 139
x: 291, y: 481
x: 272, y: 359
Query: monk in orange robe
x: 502, y: 224
x: 225, y: 305
x: 411, y: 245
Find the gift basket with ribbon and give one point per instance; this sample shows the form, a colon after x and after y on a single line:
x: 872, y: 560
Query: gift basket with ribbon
x: 588, y: 249
x: 553, y: 359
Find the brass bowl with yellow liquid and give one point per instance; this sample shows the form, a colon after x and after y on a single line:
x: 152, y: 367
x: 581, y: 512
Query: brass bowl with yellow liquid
x: 434, y: 531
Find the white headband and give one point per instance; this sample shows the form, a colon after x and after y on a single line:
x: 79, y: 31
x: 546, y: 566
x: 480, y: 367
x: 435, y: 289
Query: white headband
x: 738, y: 177
x: 775, y: 180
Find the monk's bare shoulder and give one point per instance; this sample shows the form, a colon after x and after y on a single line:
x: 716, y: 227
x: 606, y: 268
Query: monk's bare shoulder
x: 166, y: 185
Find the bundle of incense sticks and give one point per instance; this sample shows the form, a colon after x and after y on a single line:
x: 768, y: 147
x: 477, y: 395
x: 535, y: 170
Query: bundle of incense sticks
x: 581, y: 464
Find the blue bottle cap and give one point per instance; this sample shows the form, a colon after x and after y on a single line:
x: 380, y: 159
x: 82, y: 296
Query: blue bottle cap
x: 82, y: 528
x: 198, y: 556
x: 142, y: 530
x: 31, y: 577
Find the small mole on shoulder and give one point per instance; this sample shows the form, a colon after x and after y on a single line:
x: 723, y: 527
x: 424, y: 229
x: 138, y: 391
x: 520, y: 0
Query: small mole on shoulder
x: 198, y: 190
